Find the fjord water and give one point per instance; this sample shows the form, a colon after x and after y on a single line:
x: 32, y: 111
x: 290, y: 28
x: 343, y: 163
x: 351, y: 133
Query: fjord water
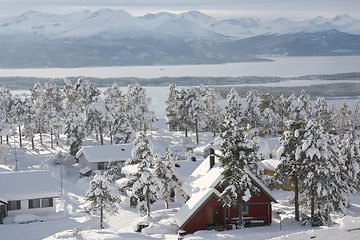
x: 279, y: 66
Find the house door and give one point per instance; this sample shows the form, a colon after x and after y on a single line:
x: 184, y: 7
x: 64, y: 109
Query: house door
x: 210, y: 216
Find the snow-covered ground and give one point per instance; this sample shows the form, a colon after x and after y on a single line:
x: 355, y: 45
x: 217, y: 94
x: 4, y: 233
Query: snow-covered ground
x: 71, y: 222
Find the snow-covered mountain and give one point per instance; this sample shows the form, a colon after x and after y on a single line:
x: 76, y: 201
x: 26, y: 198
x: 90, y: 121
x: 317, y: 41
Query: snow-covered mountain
x: 114, y: 37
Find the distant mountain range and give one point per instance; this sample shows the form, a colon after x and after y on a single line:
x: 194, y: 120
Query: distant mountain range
x: 114, y: 37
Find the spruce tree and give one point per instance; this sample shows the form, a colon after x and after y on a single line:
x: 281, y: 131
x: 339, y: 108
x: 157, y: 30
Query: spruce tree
x: 252, y: 112
x: 233, y: 108
x: 213, y: 113
x: 238, y: 157
x: 168, y: 181
x: 171, y: 107
x: 288, y: 171
x: 144, y: 182
x: 101, y: 196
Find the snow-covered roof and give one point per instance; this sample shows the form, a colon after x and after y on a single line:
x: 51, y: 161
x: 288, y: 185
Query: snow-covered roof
x: 205, y: 177
x: 4, y: 168
x: 106, y: 153
x: 130, y: 169
x: 193, y: 204
x: 122, y: 182
x: 184, y: 168
x: 270, y: 164
x: 27, y: 185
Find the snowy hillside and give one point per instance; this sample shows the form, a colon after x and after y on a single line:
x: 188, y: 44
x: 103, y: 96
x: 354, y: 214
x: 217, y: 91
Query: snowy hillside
x: 114, y: 37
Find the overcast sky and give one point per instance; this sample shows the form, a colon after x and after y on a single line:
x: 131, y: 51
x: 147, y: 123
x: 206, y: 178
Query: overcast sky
x: 222, y: 9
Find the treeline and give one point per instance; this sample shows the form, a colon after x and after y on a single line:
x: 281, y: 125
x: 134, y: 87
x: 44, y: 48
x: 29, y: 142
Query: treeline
x: 321, y: 90
x: 21, y: 83
x: 76, y: 110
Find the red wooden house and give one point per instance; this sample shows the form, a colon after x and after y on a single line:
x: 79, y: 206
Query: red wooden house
x: 204, y: 211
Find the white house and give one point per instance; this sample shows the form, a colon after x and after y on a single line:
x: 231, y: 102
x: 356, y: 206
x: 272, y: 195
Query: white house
x: 27, y: 192
x: 98, y: 157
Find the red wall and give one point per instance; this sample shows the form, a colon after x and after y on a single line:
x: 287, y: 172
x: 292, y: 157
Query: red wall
x: 199, y: 220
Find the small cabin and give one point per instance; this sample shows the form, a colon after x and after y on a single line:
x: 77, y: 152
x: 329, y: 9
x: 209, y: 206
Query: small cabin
x: 204, y: 211
x: 27, y: 192
x: 98, y: 157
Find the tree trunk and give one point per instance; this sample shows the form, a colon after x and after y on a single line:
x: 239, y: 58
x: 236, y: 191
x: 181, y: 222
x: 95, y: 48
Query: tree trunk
x: 296, y: 199
x: 197, y: 131
x: 52, y: 141
x: 7, y: 139
x: 111, y: 139
x: 101, y: 218
x: 20, y: 140
x: 147, y: 202
x: 41, y: 141
x: 166, y: 204
x: 32, y: 143
x: 1, y: 139
x: 101, y: 138
x: 186, y: 132
x: 312, y: 206
x: 240, y: 220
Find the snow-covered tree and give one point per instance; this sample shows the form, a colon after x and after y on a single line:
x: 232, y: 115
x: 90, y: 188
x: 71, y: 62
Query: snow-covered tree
x: 53, y: 104
x: 137, y: 107
x: 281, y: 111
x: 357, y: 114
x: 252, y: 112
x: 171, y: 107
x: 341, y: 118
x: 238, y: 157
x: 144, y: 181
x: 120, y: 129
x: 323, y: 114
x: 96, y: 119
x: 322, y: 168
x: 213, y: 113
x: 168, y: 181
x: 37, y: 100
x: 288, y: 171
x: 5, y: 107
x: 27, y: 118
x: 86, y: 93
x: 191, y: 110
x: 74, y: 118
x: 234, y: 108
x: 270, y: 118
x: 101, y: 196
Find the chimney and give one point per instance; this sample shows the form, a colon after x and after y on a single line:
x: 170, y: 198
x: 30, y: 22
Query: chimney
x: 212, y: 158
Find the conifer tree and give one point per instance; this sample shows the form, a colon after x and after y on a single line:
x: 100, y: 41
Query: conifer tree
x: 252, y: 112
x: 323, y: 114
x: 137, y: 107
x: 171, y: 107
x: 234, y: 108
x: 74, y: 118
x: 288, y: 171
x: 168, y: 181
x: 101, y: 196
x: 145, y: 182
x: 238, y: 156
x: 53, y: 107
x: 37, y: 100
x: 213, y: 114
x: 96, y: 119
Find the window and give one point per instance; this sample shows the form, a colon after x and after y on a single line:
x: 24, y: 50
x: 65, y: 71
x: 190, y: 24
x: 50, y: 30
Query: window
x: 101, y: 166
x: 245, y: 210
x: 34, y: 203
x: 46, y: 202
x: 14, y: 205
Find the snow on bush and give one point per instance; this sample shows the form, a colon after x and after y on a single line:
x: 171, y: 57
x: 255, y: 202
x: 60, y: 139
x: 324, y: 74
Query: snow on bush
x: 26, y: 218
x: 349, y: 223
